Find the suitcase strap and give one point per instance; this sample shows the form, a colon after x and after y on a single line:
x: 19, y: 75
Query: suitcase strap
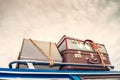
x: 94, y: 46
x: 49, y: 57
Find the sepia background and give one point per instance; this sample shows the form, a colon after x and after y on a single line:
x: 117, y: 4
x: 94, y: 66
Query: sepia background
x: 49, y: 20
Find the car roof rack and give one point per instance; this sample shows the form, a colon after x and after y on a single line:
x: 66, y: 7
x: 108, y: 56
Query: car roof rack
x: 30, y: 64
x: 31, y: 72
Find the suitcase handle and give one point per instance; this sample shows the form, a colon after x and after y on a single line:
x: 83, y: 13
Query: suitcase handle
x: 93, y: 61
x: 90, y: 41
x: 87, y: 40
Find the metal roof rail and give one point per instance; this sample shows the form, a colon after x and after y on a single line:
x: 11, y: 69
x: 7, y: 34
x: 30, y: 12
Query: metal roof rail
x: 30, y: 64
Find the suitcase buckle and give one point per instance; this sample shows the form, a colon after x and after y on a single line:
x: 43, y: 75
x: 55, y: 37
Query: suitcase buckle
x: 78, y: 54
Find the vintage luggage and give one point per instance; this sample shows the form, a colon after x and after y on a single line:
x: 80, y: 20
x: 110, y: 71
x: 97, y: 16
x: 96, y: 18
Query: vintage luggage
x: 83, y: 52
x: 39, y: 51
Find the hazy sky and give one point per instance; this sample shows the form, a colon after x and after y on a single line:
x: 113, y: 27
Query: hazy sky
x: 49, y: 20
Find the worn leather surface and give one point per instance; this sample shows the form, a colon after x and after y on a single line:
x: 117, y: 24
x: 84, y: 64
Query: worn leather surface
x: 72, y: 56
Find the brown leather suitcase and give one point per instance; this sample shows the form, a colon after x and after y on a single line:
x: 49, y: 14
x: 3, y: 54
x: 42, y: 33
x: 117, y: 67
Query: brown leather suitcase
x: 83, y: 52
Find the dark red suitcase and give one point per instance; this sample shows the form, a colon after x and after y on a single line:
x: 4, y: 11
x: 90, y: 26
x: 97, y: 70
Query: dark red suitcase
x: 83, y: 52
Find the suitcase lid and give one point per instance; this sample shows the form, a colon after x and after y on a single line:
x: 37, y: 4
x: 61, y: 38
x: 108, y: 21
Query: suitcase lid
x: 66, y: 37
x: 100, y: 46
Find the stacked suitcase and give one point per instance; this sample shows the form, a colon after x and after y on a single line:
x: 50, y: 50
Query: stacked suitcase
x: 69, y: 54
x: 82, y: 52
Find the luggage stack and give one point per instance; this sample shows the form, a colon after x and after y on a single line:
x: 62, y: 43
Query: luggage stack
x: 85, y: 52
x: 68, y: 54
